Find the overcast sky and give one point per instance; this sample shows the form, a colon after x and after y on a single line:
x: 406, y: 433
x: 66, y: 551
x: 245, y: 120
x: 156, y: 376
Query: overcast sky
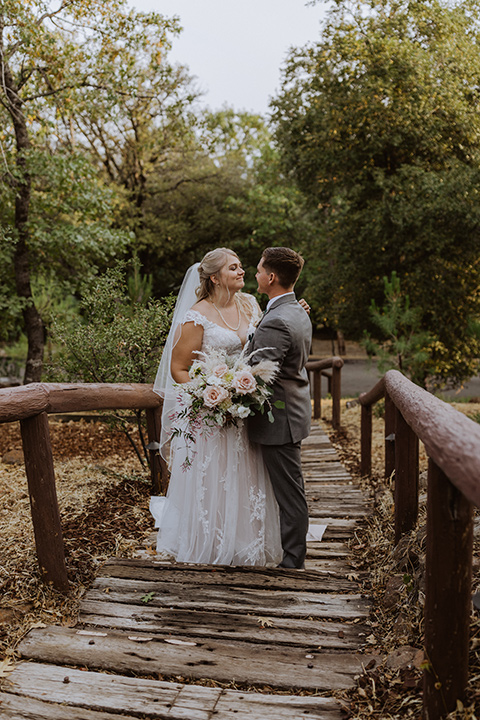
x: 235, y: 48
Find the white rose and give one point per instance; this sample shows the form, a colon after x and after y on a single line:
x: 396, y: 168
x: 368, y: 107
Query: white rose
x: 213, y: 395
x: 244, y: 382
x: 220, y: 370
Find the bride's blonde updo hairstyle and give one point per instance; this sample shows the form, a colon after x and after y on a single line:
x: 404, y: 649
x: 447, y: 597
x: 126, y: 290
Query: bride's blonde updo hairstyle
x: 211, y: 264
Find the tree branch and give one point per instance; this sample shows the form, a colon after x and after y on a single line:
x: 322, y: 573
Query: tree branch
x: 77, y: 86
x: 182, y: 182
x: 46, y: 15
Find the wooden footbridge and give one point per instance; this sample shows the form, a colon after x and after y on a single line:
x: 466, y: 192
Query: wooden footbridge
x: 185, y: 642
x: 151, y: 635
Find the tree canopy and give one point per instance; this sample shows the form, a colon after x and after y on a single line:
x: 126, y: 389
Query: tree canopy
x: 74, y: 73
x: 378, y: 123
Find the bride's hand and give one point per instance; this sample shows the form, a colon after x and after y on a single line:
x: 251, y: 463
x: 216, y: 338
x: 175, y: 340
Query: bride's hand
x: 304, y: 305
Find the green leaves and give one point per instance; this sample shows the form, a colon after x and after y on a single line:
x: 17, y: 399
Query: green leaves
x: 378, y: 122
x: 405, y: 346
x: 115, y: 338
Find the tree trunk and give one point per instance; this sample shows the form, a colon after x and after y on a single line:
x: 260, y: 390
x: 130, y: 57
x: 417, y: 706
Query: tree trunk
x: 341, y: 343
x: 33, y: 322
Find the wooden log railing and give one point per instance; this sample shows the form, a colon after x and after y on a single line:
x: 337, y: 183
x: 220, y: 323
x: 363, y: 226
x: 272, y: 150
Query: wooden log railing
x: 317, y: 368
x: 452, y: 443
x: 31, y: 404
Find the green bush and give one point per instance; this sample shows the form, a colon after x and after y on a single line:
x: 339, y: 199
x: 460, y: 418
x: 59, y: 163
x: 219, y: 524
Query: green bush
x: 117, y: 337
x: 114, y: 338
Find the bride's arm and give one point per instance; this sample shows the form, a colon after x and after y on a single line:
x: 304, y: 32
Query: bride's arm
x: 183, y: 354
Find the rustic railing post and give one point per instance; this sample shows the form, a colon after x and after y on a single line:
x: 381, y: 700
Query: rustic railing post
x: 315, y: 370
x: 366, y: 440
x: 329, y: 381
x: 336, y: 393
x: 366, y: 401
x: 317, y: 394
x: 389, y: 436
x: 406, y: 476
x: 43, y: 500
x: 158, y: 466
x: 448, y: 594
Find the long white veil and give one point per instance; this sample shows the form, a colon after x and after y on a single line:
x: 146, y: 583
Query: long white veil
x: 163, y: 384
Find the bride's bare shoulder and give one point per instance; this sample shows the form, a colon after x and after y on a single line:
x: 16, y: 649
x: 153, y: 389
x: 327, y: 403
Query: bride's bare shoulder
x: 204, y: 308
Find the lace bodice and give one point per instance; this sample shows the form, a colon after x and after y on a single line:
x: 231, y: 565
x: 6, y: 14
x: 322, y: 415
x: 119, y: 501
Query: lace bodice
x: 215, y: 336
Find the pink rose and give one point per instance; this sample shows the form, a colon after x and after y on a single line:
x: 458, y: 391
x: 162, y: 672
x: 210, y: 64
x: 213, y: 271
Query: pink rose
x: 220, y: 370
x: 213, y: 395
x: 244, y: 382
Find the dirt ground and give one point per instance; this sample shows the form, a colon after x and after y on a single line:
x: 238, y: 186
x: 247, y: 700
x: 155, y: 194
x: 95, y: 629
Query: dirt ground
x: 103, y: 494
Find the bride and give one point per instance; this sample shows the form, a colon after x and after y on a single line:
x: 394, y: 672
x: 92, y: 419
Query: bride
x: 219, y: 507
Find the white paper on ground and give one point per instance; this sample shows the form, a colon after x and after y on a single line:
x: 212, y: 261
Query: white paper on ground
x: 315, y: 532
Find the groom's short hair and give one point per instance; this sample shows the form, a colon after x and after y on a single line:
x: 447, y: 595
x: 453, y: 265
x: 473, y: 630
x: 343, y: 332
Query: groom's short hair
x: 285, y: 263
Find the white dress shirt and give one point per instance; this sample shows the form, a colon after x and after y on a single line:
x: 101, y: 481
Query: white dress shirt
x: 277, y: 297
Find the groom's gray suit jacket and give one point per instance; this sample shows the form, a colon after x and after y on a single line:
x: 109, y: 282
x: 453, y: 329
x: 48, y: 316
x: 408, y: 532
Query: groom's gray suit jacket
x: 284, y: 334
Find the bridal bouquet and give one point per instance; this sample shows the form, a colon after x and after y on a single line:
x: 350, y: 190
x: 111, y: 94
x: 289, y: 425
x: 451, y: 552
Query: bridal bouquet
x: 223, y: 390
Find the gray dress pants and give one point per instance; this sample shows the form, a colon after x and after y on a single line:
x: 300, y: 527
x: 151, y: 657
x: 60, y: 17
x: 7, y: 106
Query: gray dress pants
x: 284, y: 468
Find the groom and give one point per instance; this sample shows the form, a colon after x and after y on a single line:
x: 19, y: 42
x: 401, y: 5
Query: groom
x: 284, y: 334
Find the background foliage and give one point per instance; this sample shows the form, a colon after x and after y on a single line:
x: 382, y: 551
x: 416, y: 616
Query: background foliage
x: 369, y: 165
x: 379, y: 125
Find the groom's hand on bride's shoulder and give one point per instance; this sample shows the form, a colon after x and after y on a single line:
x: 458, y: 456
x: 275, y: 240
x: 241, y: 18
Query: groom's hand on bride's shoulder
x: 304, y: 305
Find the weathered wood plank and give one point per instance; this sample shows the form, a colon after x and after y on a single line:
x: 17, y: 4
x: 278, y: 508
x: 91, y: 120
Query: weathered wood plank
x: 319, y: 453
x: 262, y: 578
x: 198, y: 624
x: 315, y: 479
x: 317, y: 507
x: 329, y: 491
x: 317, y: 475
x: 336, y: 526
x: 329, y: 549
x: 231, y: 599
x: 157, y: 699
x: 232, y: 706
x: 14, y: 707
x: 113, y: 693
x: 325, y: 460
x: 226, y: 662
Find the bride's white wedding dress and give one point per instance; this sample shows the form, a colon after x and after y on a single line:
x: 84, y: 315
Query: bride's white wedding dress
x: 220, y: 508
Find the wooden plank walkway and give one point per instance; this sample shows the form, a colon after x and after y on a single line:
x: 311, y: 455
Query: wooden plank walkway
x: 264, y: 629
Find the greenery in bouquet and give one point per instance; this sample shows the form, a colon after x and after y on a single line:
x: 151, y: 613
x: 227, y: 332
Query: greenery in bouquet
x: 223, y: 390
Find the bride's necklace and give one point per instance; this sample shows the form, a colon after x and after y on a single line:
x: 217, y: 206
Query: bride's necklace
x: 226, y: 323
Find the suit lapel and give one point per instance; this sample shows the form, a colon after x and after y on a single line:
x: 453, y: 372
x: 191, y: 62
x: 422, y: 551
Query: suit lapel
x: 283, y: 301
